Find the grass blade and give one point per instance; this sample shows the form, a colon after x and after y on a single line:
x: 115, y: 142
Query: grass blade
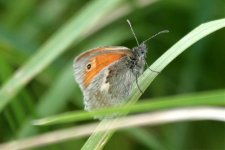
x: 72, y: 32
x: 154, y: 118
x: 98, y: 140
x: 212, y: 98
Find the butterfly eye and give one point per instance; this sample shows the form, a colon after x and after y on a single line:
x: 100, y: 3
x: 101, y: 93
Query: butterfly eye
x: 88, y: 66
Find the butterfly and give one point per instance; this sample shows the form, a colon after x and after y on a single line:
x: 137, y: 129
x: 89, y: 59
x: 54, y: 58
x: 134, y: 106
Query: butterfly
x: 106, y: 74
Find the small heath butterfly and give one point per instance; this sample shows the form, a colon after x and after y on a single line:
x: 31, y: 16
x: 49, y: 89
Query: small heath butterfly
x: 106, y: 74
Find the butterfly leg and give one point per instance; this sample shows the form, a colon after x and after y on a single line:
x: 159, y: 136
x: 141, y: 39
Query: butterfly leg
x: 136, y: 78
x: 151, y: 69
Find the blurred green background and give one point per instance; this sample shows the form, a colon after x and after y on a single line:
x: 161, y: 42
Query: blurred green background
x: 25, y: 25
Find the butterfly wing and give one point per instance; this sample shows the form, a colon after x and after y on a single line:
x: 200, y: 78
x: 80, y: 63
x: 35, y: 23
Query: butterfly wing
x: 104, y: 76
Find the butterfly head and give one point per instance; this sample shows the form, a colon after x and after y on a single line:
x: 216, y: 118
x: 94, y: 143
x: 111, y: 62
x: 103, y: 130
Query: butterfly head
x: 140, y: 50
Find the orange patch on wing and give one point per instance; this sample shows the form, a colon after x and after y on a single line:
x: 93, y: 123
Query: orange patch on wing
x: 101, y: 62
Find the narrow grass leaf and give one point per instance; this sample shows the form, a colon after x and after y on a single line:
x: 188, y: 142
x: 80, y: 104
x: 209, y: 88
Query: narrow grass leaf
x: 98, y: 140
x: 73, y: 31
x: 212, y: 98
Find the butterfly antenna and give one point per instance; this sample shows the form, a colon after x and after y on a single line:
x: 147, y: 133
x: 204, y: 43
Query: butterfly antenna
x: 128, y: 21
x: 161, y: 32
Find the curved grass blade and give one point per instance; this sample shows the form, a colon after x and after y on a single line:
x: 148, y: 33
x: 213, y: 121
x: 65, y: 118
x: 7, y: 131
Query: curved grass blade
x: 98, y: 139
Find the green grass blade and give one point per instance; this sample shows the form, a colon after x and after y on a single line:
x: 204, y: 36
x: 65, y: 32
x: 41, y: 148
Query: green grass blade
x: 72, y: 32
x: 98, y: 140
x: 212, y: 98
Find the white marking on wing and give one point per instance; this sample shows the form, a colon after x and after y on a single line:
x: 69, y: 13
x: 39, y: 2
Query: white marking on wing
x: 105, y: 86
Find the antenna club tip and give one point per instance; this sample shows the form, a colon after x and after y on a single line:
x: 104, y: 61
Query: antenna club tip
x: 132, y: 31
